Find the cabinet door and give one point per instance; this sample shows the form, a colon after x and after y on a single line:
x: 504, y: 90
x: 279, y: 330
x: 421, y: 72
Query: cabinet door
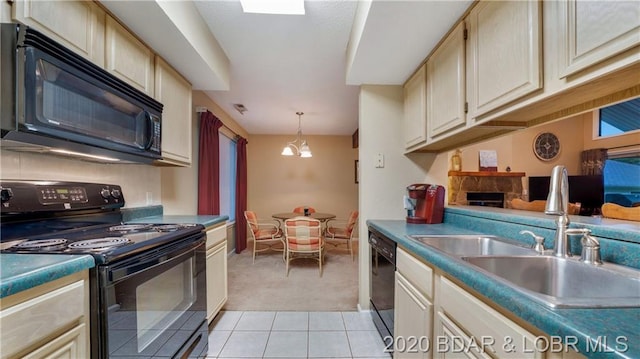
x: 446, y: 85
x: 175, y: 94
x: 504, y: 53
x: 216, y: 280
x: 78, y: 25
x: 128, y: 58
x: 70, y: 345
x: 453, y: 343
x: 592, y: 31
x: 216, y: 270
x: 413, y: 320
x: 502, y: 337
x: 415, y: 109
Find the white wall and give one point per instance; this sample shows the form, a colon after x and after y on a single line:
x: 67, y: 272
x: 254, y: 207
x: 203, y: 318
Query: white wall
x: 381, y: 189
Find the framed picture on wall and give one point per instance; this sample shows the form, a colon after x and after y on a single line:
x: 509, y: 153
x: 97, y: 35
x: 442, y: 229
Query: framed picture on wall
x: 357, y: 170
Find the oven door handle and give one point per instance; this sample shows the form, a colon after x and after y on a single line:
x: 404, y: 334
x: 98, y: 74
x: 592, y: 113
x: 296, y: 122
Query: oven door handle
x: 149, y: 262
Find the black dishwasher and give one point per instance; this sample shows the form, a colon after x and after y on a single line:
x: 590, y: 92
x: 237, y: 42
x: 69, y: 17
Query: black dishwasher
x: 382, y: 280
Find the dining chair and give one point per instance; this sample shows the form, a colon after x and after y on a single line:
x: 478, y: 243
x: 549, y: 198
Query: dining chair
x: 303, y: 237
x: 268, y: 233
x: 339, y: 231
x: 301, y: 209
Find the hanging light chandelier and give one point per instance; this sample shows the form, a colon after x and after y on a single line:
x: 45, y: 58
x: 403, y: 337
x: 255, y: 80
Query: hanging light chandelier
x: 297, y: 147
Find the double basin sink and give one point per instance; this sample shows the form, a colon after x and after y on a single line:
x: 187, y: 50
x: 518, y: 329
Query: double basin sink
x: 554, y: 281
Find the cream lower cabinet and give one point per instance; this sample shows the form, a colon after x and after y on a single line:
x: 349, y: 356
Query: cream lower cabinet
x: 593, y: 31
x: 216, y: 270
x: 48, y: 321
x: 413, y: 313
x: 79, y: 25
x: 436, y: 318
x: 504, y: 57
x: 465, y: 327
x: 174, y: 91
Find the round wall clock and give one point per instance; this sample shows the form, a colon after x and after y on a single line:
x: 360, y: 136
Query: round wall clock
x: 546, y: 146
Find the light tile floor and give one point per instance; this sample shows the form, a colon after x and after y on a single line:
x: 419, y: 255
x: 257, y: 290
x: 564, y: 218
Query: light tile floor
x: 236, y: 334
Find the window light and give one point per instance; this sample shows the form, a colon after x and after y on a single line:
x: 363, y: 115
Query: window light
x: 282, y: 7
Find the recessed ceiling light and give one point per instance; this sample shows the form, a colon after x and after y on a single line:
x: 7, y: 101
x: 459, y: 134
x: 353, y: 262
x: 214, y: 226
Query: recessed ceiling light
x: 282, y: 7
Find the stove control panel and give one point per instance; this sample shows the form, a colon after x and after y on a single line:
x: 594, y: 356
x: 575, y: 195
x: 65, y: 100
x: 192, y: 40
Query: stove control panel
x: 39, y: 196
x: 58, y: 194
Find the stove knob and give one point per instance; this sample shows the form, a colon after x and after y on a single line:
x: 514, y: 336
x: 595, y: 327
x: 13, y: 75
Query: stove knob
x: 116, y: 193
x: 6, y: 194
x: 105, y: 193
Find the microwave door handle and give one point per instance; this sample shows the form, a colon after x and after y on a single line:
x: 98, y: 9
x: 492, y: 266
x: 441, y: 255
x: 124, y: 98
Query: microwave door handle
x: 150, y: 130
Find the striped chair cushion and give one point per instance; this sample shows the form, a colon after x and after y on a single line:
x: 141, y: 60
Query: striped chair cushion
x: 344, y: 232
x: 303, y: 234
x: 340, y: 232
x: 252, y: 220
x: 267, y: 233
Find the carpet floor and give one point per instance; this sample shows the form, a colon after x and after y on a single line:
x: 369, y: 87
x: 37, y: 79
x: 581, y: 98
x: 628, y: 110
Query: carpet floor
x: 264, y: 285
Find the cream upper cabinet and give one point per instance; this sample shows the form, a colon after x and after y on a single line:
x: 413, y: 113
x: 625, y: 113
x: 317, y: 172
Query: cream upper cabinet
x: 593, y: 31
x: 504, y: 53
x: 174, y: 92
x: 446, y: 85
x: 415, y: 109
x: 78, y: 25
x: 216, y: 270
x: 128, y: 58
x: 47, y: 321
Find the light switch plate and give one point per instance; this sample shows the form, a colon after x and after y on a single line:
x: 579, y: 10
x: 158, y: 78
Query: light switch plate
x: 379, y: 160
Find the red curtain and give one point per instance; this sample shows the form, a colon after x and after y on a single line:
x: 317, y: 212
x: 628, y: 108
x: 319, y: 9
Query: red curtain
x: 241, y: 194
x: 209, y: 165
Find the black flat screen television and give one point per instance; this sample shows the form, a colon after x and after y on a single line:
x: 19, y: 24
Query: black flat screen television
x: 588, y: 190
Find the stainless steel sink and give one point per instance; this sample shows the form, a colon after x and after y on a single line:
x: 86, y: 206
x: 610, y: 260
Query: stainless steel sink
x: 561, y: 282
x: 474, y: 245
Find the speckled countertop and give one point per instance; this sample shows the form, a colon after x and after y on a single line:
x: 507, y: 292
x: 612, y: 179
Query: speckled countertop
x: 620, y: 326
x: 207, y: 221
x: 20, y: 272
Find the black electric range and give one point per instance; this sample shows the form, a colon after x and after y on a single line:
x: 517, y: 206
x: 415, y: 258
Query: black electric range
x: 148, y: 288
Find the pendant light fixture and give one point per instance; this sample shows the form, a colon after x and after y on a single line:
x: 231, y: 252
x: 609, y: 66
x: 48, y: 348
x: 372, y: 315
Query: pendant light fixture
x: 297, y: 147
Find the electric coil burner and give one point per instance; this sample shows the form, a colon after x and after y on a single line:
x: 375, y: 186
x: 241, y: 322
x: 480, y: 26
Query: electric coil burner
x: 148, y: 288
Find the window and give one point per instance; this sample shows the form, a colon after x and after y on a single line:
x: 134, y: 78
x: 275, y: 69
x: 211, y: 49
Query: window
x: 621, y: 185
x: 622, y: 168
x: 619, y: 118
x: 227, y: 177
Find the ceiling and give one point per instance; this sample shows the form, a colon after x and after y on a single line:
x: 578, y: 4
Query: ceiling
x: 314, y: 63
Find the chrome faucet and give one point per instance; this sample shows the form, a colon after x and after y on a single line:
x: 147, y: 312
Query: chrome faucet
x: 558, y: 205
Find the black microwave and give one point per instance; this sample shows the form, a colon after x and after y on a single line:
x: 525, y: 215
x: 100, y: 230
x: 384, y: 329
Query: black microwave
x: 53, y: 100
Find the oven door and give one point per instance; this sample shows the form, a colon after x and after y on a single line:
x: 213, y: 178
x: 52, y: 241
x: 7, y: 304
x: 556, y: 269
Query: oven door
x: 154, y: 305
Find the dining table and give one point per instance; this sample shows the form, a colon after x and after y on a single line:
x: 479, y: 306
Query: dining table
x: 322, y: 217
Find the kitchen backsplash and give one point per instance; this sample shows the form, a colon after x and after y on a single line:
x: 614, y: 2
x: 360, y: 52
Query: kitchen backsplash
x: 140, y: 183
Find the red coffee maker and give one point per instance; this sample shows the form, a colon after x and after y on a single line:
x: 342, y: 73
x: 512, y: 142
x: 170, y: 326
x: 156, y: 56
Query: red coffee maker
x: 428, y: 203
